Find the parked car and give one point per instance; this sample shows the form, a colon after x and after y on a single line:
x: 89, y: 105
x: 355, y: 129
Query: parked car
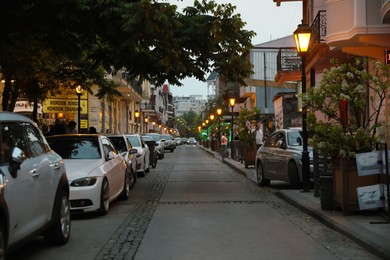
x: 159, y: 144
x: 279, y: 158
x: 191, y: 141
x: 143, y: 157
x: 148, y: 140
x: 178, y: 140
x: 34, y: 194
x: 97, y: 171
x: 128, y: 152
x: 169, y: 142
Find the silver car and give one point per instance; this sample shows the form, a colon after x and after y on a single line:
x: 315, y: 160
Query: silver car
x: 34, y: 189
x: 280, y: 158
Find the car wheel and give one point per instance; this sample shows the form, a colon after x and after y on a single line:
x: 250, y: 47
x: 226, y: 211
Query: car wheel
x: 59, y: 232
x: 261, y: 180
x: 104, y: 198
x: 154, y: 162
x: 133, y: 178
x: 172, y: 150
x: 126, y: 187
x: 2, y: 242
x: 293, y: 175
x: 143, y: 172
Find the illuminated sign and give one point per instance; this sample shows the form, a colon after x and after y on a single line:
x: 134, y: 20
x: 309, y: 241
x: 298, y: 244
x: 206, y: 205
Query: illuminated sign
x: 387, y: 57
x: 52, y: 105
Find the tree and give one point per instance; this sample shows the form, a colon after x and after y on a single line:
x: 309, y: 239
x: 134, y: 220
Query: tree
x: 72, y: 42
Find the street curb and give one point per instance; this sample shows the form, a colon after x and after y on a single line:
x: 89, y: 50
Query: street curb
x: 363, y: 237
x: 240, y: 171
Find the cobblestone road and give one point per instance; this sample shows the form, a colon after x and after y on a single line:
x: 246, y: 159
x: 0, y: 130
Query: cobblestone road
x: 147, y: 194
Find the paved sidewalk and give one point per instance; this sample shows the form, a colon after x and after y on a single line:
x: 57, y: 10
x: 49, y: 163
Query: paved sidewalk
x: 370, y: 230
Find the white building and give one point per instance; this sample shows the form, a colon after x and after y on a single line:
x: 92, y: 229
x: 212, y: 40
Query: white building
x: 183, y: 104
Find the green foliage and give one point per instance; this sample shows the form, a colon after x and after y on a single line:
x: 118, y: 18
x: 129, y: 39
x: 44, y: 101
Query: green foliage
x: 73, y: 42
x: 351, y: 84
x: 246, y: 118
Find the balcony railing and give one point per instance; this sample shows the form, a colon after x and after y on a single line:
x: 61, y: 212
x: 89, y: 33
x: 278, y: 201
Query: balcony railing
x: 318, y: 28
x: 133, y: 83
x: 148, y: 106
x: 288, y: 59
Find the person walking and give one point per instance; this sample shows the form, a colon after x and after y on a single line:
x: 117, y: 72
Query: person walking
x: 71, y: 127
x: 57, y: 129
x: 259, y: 137
x: 224, y: 142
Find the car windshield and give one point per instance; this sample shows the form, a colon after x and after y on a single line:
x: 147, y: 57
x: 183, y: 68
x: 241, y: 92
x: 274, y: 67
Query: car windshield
x: 119, y: 143
x: 154, y: 137
x: 134, y: 141
x: 167, y: 137
x: 294, y: 139
x: 147, y: 138
x: 75, y: 148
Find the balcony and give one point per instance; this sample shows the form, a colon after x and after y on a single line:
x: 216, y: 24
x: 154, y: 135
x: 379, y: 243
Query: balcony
x: 363, y: 31
x: 247, y: 91
x: 385, y: 11
x: 288, y: 59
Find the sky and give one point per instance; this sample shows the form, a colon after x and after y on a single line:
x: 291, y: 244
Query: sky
x: 267, y: 20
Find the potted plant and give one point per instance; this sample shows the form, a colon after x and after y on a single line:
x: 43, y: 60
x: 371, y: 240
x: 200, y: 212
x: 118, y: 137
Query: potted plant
x: 246, y: 134
x: 350, y: 100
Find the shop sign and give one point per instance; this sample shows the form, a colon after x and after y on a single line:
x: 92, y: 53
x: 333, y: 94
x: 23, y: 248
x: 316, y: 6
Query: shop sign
x: 370, y: 197
x: 369, y: 163
x: 52, y: 105
x: 23, y: 106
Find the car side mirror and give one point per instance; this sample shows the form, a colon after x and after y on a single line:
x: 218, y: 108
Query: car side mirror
x: 279, y: 144
x: 110, y: 155
x: 133, y: 151
x: 17, y: 157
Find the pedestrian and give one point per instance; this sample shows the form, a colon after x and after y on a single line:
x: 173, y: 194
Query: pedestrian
x: 224, y: 142
x: 259, y: 136
x: 57, y: 129
x: 92, y: 130
x: 71, y: 129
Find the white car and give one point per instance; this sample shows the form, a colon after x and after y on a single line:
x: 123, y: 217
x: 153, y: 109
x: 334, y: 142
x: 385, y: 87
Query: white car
x: 34, y: 188
x: 143, y: 154
x: 97, y: 172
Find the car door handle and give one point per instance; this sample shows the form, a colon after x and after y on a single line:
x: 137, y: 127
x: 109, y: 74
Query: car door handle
x: 55, y: 166
x: 35, y: 173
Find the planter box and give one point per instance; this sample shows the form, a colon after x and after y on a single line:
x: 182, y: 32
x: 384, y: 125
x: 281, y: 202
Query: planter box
x: 345, y: 182
x: 249, y: 154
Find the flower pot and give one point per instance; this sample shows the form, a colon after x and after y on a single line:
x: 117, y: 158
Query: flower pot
x: 345, y: 182
x: 249, y: 154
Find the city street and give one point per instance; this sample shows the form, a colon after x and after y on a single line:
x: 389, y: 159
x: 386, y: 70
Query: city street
x: 193, y: 206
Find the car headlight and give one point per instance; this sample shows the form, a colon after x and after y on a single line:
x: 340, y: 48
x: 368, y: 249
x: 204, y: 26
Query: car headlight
x: 138, y: 155
x: 84, y: 182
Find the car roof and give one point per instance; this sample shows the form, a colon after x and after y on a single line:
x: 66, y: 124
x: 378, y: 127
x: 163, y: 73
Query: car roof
x: 11, y: 116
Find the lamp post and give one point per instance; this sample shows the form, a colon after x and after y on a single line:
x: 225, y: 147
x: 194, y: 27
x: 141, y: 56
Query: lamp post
x: 219, y: 112
x: 79, y: 92
x: 136, y: 114
x: 232, y: 102
x: 302, y: 39
x: 146, y: 124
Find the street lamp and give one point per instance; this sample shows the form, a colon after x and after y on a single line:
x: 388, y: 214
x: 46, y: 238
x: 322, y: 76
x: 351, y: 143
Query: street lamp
x: 146, y: 124
x: 232, y: 102
x: 219, y: 112
x: 136, y: 114
x: 79, y: 92
x: 302, y: 39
